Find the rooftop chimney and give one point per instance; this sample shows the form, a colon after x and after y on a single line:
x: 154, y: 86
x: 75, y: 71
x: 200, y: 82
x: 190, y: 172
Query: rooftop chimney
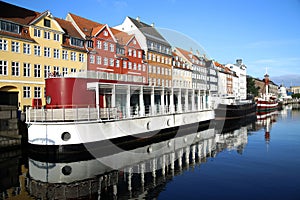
x: 138, y: 18
x: 239, y: 61
x: 152, y: 24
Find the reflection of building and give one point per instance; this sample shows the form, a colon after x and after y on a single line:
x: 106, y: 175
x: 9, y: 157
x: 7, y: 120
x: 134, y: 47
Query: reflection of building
x: 33, y: 46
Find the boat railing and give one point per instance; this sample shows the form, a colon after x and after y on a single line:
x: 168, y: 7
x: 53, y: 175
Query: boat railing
x: 92, y: 113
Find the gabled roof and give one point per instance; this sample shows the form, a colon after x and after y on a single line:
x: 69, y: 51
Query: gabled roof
x: 68, y: 28
x: 149, y: 31
x: 123, y: 38
x: 88, y: 27
x: 188, y: 55
x: 17, y: 14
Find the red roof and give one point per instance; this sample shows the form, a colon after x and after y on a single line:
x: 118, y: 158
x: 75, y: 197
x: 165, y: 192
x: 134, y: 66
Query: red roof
x: 88, y: 27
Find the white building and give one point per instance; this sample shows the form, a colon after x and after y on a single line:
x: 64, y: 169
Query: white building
x: 239, y: 90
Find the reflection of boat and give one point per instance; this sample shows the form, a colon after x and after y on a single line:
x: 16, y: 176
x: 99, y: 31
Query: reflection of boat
x: 87, y: 110
x: 139, y: 173
x: 128, y: 174
x: 267, y: 102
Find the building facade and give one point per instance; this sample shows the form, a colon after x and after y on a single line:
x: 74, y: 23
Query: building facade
x: 115, y: 55
x: 34, y: 46
x: 157, y: 50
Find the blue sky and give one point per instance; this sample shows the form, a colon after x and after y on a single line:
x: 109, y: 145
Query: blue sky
x: 264, y: 33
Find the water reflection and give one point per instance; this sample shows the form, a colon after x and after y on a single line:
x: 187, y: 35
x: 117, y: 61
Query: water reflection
x: 128, y: 175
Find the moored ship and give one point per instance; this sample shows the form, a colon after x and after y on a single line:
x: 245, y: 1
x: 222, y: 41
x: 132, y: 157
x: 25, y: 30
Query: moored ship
x: 268, y: 102
x: 85, y: 110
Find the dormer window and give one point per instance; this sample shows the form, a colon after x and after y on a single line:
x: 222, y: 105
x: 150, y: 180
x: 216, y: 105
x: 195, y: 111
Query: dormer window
x: 47, y: 23
x: 105, y: 33
x: 90, y: 43
x: 76, y: 42
x: 9, y: 27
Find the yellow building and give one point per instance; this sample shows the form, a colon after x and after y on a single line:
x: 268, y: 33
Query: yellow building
x: 34, y: 46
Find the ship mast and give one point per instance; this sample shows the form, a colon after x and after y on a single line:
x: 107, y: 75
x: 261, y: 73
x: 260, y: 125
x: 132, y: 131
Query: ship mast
x: 267, y: 84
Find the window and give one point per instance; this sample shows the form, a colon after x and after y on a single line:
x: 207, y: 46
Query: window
x: 124, y: 64
x: 111, y: 62
x: 130, y: 52
x: 37, y: 32
x: 15, y: 69
x: 73, y: 70
x: 10, y: 27
x: 56, y: 37
x: 73, y: 56
x: 47, y: 35
x: 37, y: 70
x: 99, y: 44
x: 47, y: 71
x: 117, y: 63
x: 105, y: 46
x: 64, y: 71
x: 90, y: 44
x: 47, y: 52
x: 55, y: 53
x: 154, y: 69
x: 3, y: 45
x: 105, y: 61
x: 105, y: 33
x: 139, y: 54
x: 37, y: 92
x: 81, y: 57
x: 158, y: 70
x: 134, y: 66
x: 150, y: 69
x: 15, y: 47
x: 92, y: 59
x: 47, y: 23
x: 56, y: 70
x: 112, y: 47
x: 77, y: 42
x: 26, y: 91
x: 144, y: 68
x: 65, y: 55
x: 37, y: 50
x: 99, y: 61
x: 129, y: 65
x: 3, y: 67
x: 134, y: 53
x: 26, y: 69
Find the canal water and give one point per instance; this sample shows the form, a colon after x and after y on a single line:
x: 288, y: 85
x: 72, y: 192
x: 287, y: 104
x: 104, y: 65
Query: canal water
x: 249, y: 159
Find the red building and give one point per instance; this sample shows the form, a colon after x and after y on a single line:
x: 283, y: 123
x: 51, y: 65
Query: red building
x: 115, y: 55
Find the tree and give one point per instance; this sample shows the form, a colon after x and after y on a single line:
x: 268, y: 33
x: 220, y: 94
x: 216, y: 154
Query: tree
x: 251, y: 88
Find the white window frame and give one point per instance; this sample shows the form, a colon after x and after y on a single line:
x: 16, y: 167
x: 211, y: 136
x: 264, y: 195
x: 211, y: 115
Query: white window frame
x: 26, y: 92
x: 65, y: 54
x: 37, y: 50
x: 37, y: 70
x: 15, y: 68
x: 3, y: 68
x: 47, y: 71
x: 37, y: 92
x: 47, y: 52
x: 26, y: 69
x: 3, y: 45
x: 15, y: 47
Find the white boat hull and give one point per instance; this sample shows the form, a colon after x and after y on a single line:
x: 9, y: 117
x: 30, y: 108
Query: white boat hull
x: 70, y: 133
